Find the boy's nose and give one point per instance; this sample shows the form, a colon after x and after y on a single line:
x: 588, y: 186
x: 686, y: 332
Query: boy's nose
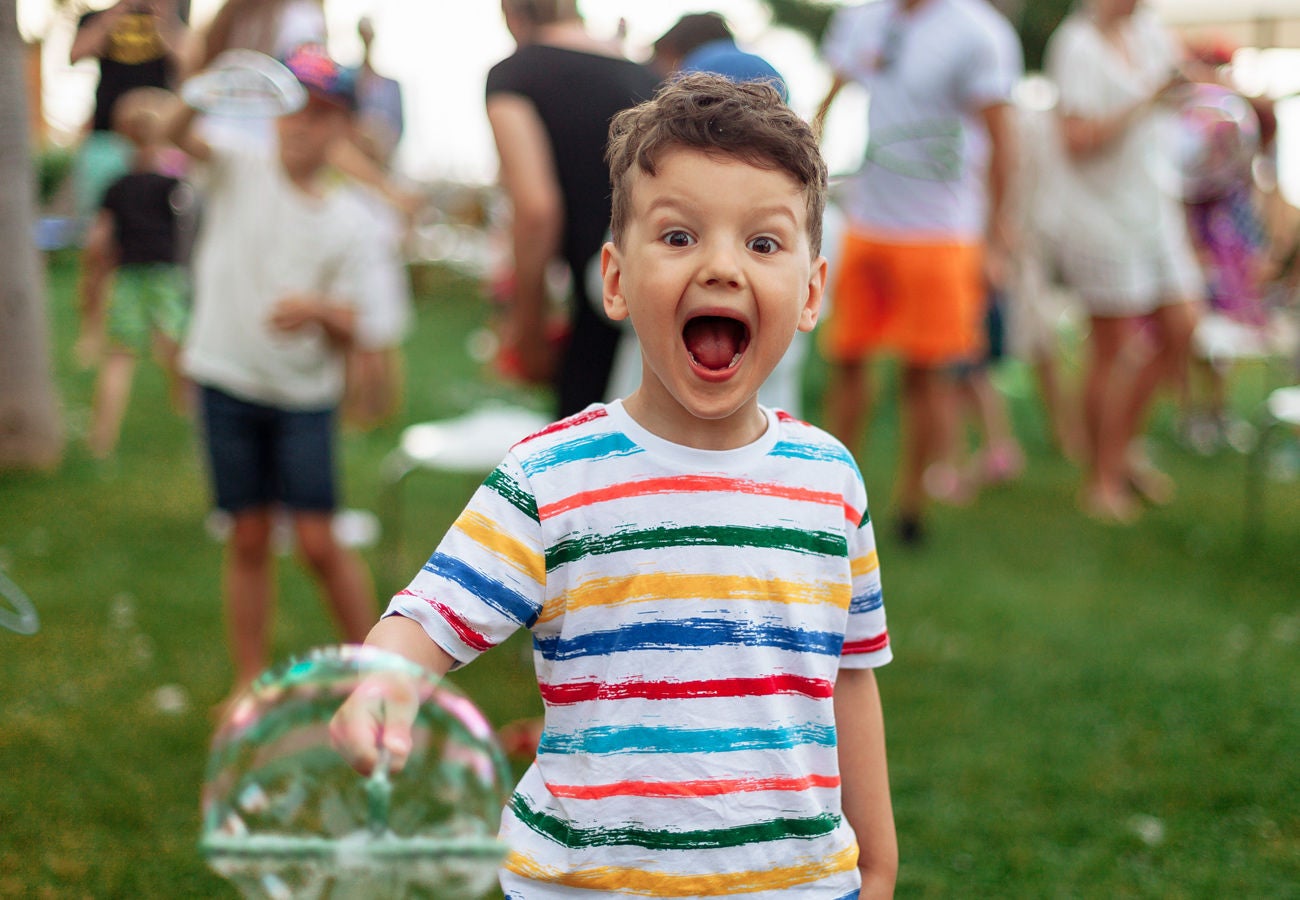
x: 721, y: 266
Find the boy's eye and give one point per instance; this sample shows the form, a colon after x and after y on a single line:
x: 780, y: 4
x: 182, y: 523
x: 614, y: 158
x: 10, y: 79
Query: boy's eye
x: 764, y: 245
x: 677, y: 238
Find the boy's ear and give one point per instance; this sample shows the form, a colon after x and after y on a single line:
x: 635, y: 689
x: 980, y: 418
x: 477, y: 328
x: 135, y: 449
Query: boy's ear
x: 812, y: 307
x: 611, y: 277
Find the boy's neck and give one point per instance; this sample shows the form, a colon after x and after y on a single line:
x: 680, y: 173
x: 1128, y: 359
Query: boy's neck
x: 308, y: 179
x: 674, y: 424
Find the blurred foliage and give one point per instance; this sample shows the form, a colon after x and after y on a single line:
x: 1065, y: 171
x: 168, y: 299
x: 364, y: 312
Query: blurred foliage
x: 1034, y: 20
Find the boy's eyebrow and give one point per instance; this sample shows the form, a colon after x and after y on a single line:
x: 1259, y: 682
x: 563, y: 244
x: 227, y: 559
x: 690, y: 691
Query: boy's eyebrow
x: 678, y: 204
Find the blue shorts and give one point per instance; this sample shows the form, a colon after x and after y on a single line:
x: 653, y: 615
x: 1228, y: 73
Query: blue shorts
x: 262, y: 455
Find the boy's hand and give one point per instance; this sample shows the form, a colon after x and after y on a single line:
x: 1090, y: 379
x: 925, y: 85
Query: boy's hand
x: 377, y: 716
x: 294, y: 312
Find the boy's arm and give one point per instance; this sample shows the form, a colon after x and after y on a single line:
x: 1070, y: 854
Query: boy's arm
x: 180, y: 131
x: 1001, y: 240
x: 296, y: 311
x: 403, y: 636
x: 824, y: 108
x: 347, y: 156
x: 860, y: 727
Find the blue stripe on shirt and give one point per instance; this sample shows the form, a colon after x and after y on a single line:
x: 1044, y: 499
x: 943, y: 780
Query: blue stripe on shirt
x: 500, y: 597
x: 652, y: 739
x: 689, y: 634
x: 597, y: 446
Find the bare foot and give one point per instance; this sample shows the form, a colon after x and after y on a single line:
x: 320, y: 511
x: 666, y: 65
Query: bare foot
x: 1108, y: 506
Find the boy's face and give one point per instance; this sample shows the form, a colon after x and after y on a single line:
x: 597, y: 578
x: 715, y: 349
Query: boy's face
x: 716, y: 273
x: 306, y: 135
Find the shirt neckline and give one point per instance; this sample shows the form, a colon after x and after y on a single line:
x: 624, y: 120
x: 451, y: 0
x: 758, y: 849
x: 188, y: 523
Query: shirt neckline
x: 683, y: 457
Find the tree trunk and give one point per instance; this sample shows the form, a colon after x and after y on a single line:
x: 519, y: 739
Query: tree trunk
x: 31, y: 429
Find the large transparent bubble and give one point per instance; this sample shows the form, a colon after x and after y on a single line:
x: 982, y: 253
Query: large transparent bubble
x: 1215, y: 139
x: 284, y: 816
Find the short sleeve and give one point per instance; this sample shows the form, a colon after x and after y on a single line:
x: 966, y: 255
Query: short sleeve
x: 845, y: 45
x: 991, y: 68
x: 866, y: 638
x: 487, y: 578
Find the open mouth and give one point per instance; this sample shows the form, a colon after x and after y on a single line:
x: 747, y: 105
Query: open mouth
x: 715, y: 343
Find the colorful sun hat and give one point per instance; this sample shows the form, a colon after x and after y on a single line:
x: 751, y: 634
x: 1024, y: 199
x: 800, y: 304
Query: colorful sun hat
x: 323, y: 78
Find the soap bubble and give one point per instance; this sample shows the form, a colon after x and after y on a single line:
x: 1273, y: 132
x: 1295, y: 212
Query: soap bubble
x: 1215, y: 138
x: 285, y: 816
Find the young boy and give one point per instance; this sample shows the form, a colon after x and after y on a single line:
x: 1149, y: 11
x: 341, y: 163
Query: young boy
x: 698, y: 572
x: 150, y: 296
x: 282, y: 271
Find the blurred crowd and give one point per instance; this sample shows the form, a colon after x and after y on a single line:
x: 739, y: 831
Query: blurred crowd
x: 1129, y: 190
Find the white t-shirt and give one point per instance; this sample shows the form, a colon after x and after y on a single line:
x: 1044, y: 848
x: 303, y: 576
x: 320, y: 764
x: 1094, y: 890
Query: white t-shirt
x: 928, y: 73
x: 690, y: 610
x: 262, y: 239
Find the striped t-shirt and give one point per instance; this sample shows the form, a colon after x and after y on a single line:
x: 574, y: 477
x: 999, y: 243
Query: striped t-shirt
x: 689, y: 611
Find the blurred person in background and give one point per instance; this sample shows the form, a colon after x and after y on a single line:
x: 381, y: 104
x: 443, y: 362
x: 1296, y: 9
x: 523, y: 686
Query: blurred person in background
x: 364, y: 153
x: 273, y: 27
x: 1127, y: 253
x: 149, y: 303
x: 997, y: 456
x: 284, y: 277
x: 925, y: 217
x: 375, y: 366
x: 1035, y: 300
x: 380, y: 120
x: 703, y: 42
x: 136, y: 43
x: 549, y: 105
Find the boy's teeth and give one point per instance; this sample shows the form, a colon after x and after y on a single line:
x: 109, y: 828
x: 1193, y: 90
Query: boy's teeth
x: 735, y: 360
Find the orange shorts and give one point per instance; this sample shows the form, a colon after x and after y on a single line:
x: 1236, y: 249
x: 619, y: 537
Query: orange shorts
x: 923, y: 301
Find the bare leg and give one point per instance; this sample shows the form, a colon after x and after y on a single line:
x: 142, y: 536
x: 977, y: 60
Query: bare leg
x: 1002, y: 459
x: 848, y: 402
x: 928, y: 419
x: 180, y: 390
x: 249, y: 593
x: 342, y: 574
x: 947, y: 476
x: 1105, y: 398
x: 1169, y: 362
x: 98, y: 259
x: 112, y: 393
x: 1062, y: 412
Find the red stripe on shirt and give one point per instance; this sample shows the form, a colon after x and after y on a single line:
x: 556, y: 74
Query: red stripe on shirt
x: 582, y: 691
x: 467, y: 634
x: 869, y: 645
x: 703, y: 788
x: 690, y: 484
x: 572, y: 421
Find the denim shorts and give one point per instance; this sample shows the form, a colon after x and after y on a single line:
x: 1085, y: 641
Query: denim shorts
x: 263, y: 455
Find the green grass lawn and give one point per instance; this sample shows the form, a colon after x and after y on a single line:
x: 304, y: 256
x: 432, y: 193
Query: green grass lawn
x: 1074, y: 711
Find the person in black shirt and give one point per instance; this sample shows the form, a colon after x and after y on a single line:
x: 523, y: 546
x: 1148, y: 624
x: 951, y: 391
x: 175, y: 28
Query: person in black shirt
x: 150, y: 297
x: 137, y: 43
x: 549, y: 105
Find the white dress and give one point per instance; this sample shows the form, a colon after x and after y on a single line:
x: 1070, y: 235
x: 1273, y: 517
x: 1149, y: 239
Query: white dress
x: 1128, y: 250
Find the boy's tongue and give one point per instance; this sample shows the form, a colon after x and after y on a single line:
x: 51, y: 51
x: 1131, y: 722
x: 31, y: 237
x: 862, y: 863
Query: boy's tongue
x: 714, y: 341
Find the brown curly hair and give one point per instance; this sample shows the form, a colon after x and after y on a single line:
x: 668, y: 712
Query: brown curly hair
x: 710, y: 113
